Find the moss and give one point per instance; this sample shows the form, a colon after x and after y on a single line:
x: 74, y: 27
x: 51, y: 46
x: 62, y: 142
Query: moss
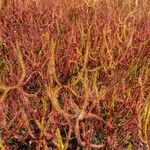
x: 2, y: 65
x: 97, y: 138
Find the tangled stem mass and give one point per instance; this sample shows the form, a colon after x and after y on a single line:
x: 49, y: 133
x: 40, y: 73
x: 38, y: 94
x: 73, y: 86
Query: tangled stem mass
x: 74, y: 74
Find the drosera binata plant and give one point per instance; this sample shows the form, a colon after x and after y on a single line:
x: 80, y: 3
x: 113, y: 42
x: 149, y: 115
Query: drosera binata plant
x: 74, y: 74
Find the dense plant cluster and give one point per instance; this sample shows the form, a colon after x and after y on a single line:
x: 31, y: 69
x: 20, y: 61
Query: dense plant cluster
x: 75, y: 74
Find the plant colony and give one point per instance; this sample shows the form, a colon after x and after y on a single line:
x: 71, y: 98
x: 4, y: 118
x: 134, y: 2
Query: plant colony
x: 75, y: 74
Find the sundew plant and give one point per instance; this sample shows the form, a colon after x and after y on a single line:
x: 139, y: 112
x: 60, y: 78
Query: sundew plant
x: 74, y: 74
